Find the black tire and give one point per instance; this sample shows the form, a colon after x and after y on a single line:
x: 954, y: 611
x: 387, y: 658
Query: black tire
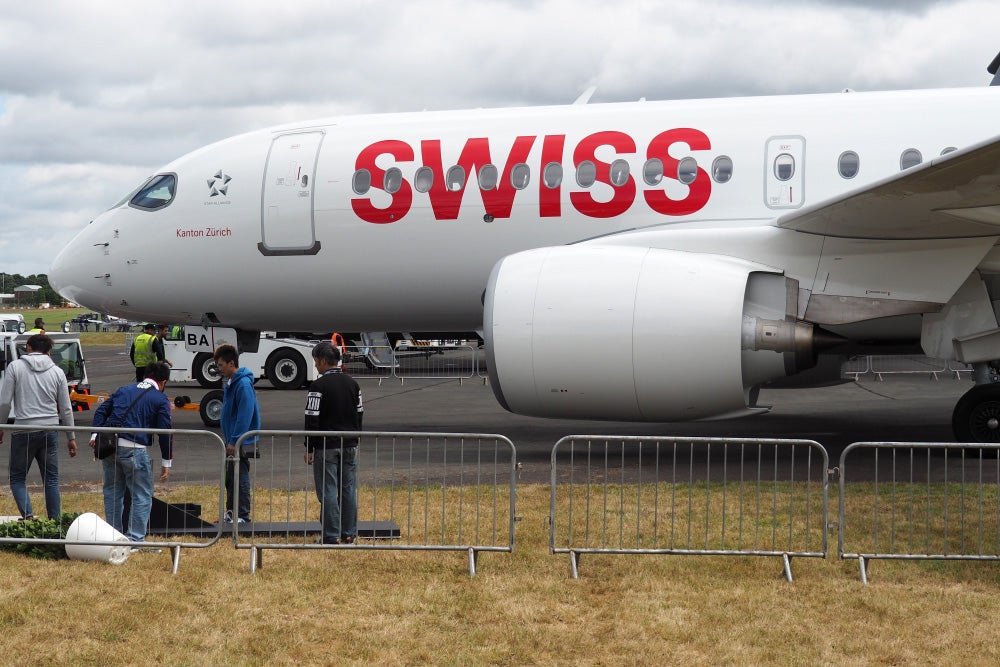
x: 210, y: 408
x: 285, y: 369
x: 206, y: 372
x: 976, y: 417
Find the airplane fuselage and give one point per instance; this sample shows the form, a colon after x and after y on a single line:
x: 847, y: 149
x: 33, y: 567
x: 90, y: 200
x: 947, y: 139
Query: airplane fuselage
x: 275, y: 229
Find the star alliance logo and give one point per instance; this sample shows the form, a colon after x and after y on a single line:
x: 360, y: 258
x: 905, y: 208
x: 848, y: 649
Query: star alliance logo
x: 218, y: 184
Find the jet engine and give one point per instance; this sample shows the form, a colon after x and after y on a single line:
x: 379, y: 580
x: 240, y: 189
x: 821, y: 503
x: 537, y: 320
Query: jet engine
x: 638, y: 334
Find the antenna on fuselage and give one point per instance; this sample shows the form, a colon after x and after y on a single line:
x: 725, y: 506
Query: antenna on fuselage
x: 994, y: 69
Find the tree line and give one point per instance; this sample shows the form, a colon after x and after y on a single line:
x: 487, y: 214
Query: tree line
x: 9, y: 281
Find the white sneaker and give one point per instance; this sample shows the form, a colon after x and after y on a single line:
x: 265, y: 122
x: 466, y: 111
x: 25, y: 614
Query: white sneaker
x: 228, y: 516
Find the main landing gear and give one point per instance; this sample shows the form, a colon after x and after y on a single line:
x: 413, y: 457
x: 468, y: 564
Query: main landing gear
x: 976, y: 417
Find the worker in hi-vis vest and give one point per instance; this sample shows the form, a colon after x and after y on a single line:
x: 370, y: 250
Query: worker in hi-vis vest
x: 39, y: 326
x: 142, y: 352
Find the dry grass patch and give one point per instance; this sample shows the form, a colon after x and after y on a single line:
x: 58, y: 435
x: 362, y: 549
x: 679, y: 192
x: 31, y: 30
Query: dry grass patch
x: 360, y: 607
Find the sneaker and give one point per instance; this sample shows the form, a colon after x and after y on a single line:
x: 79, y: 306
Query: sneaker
x: 228, y: 516
x: 241, y: 520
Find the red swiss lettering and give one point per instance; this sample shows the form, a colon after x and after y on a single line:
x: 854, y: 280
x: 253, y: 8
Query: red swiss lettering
x: 401, y: 199
x: 698, y: 191
x: 623, y: 195
x: 498, y: 201
x: 549, y: 202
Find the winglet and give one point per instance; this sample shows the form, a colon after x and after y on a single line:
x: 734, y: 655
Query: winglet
x: 994, y: 69
x: 587, y: 94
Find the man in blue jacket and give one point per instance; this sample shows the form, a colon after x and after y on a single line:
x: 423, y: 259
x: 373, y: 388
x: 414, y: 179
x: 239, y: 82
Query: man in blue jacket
x: 240, y: 413
x: 142, y: 405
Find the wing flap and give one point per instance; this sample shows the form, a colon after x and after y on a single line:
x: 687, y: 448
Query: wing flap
x: 953, y: 196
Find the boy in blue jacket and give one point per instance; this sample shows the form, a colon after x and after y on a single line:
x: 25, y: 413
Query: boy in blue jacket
x: 240, y: 413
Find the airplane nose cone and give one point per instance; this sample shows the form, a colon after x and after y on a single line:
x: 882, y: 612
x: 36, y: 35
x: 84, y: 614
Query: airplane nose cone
x: 74, y: 272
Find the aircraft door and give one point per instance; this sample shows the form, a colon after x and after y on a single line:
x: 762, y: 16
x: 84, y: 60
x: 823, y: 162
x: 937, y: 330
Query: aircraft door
x: 287, y: 224
x: 784, y: 172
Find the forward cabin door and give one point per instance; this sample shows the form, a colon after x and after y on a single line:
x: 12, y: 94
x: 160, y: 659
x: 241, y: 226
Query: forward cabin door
x: 287, y: 225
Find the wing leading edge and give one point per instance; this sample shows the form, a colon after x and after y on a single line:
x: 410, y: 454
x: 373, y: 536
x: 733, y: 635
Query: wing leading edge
x: 953, y: 196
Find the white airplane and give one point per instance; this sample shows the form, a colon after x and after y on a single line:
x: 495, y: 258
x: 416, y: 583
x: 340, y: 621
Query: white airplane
x: 649, y: 261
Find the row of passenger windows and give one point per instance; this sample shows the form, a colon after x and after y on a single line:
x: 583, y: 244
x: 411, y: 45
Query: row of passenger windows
x: 552, y: 175
x: 848, y: 165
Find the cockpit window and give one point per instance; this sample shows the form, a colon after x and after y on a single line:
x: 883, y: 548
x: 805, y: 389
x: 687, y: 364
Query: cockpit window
x: 156, y: 194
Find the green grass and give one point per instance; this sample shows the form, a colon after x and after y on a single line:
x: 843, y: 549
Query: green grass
x: 400, y: 608
x: 54, y: 318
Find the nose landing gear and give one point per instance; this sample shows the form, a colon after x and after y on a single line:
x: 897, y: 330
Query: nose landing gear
x: 976, y: 417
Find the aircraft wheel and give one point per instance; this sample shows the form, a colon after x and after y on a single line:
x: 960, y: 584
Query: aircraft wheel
x: 206, y: 371
x: 977, y: 415
x: 210, y: 408
x: 285, y: 369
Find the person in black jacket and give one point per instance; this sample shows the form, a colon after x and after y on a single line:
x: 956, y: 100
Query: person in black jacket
x: 334, y: 404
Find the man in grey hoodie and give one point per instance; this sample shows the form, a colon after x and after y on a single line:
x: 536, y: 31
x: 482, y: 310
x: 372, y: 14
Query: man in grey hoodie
x: 34, y: 388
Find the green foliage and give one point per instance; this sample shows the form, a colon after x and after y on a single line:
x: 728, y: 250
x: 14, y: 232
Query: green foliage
x: 38, y: 529
x: 44, y: 295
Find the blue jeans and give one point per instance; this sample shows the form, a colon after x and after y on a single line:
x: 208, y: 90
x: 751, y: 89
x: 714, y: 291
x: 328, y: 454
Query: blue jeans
x: 41, y: 446
x: 128, y: 468
x: 335, y: 472
x: 244, y: 507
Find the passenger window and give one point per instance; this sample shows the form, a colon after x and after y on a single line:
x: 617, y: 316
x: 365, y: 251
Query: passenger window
x: 619, y: 173
x: 423, y: 179
x: 361, y: 182
x: 488, y: 177
x: 652, y: 171
x: 687, y: 170
x: 520, y: 175
x: 393, y: 180
x: 455, y: 178
x: 911, y: 157
x: 552, y: 175
x: 722, y: 169
x: 586, y: 174
x: 784, y: 167
x: 156, y: 194
x: 849, y: 164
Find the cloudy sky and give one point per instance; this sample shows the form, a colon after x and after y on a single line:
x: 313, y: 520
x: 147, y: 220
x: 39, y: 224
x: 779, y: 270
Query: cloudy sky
x: 95, y: 95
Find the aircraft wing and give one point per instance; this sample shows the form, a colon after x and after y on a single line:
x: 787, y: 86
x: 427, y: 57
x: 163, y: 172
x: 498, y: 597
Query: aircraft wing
x: 953, y: 196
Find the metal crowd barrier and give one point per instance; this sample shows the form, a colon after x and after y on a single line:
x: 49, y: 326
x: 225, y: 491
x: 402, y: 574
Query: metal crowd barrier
x: 411, y: 362
x: 416, y: 491
x: 902, y: 365
x: 435, y: 362
x: 698, y: 496
x: 932, y: 501
x: 196, y: 482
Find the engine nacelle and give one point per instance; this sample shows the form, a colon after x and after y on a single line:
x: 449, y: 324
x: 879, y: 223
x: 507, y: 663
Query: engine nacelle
x: 638, y: 334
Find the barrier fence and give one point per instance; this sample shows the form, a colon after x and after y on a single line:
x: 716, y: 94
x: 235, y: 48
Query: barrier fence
x: 415, y: 491
x: 912, y: 364
x: 195, y: 483
x: 608, y: 495
x: 931, y: 501
x: 695, y: 496
x: 410, y: 362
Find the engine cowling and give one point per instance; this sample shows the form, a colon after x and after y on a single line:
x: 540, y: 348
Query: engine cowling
x: 638, y: 334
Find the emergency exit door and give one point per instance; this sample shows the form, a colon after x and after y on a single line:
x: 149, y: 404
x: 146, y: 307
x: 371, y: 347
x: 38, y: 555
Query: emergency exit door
x: 287, y: 225
x: 784, y: 172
